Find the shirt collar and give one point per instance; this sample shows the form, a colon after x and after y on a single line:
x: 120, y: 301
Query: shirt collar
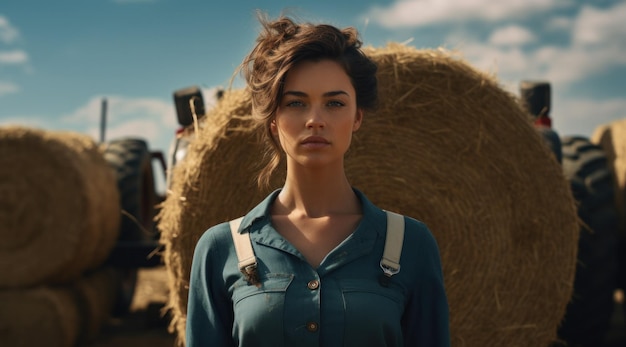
x: 373, y: 217
x: 259, y: 212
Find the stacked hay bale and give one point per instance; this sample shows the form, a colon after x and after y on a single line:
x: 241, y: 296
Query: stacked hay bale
x: 56, y: 315
x: 59, y: 219
x: 448, y: 146
x: 41, y: 316
x: 612, y: 138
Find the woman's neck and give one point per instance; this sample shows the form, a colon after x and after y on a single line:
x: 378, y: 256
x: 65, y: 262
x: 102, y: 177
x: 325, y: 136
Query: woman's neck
x: 313, y: 194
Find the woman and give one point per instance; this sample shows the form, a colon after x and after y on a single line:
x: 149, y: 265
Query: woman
x: 318, y: 242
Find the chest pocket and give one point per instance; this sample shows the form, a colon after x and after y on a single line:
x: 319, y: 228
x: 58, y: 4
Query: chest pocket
x: 260, y: 309
x: 372, y: 313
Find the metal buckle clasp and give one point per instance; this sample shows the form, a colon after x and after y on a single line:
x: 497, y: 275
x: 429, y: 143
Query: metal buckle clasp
x: 388, y: 270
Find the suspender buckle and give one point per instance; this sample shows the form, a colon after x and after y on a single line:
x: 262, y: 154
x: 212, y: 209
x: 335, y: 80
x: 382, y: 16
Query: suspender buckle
x: 250, y: 273
x: 389, y: 270
x: 248, y: 269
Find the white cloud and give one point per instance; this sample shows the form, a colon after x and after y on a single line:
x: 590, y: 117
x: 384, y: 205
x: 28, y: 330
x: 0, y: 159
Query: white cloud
x: 120, y: 109
x: 8, y: 33
x: 597, y: 42
x: 508, y: 64
x: 14, y: 57
x: 559, y: 23
x: 558, y: 64
x: 8, y: 88
x: 151, y: 119
x: 148, y: 118
x: 131, y: 128
x: 512, y: 35
x: 602, y: 27
x: 583, y: 116
x: 415, y: 13
x: 597, y: 47
x: 576, y: 63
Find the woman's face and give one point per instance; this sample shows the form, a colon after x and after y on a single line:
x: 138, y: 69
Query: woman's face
x: 317, y: 114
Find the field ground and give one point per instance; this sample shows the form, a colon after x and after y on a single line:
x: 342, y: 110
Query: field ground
x: 146, y: 326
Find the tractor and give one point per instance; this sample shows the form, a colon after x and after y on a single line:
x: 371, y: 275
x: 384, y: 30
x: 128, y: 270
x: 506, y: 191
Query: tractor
x: 137, y: 246
x: 588, y: 316
x: 191, y: 103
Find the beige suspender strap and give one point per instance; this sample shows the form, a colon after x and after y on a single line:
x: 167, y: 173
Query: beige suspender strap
x: 243, y: 247
x: 390, y: 263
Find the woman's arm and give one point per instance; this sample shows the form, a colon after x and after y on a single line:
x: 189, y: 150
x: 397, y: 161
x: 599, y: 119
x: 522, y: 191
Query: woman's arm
x: 208, y: 314
x: 426, y: 319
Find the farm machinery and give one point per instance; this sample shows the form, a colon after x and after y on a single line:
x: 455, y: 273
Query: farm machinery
x: 138, y: 244
x: 585, y: 166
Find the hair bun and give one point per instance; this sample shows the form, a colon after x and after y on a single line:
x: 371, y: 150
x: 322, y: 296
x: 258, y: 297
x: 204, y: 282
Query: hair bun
x: 352, y: 37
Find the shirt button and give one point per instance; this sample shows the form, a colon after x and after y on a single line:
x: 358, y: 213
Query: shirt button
x: 313, y: 284
x: 312, y: 327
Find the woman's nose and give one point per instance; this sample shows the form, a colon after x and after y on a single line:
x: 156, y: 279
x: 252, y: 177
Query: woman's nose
x: 315, y: 119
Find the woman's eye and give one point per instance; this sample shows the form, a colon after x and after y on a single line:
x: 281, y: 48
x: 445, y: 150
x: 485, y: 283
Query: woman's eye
x: 335, y: 103
x: 294, y: 103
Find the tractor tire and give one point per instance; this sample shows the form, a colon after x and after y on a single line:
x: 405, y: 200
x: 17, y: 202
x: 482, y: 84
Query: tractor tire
x: 131, y: 159
x: 588, y: 315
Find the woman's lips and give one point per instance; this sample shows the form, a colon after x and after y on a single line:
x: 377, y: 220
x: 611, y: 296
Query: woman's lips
x: 314, y: 142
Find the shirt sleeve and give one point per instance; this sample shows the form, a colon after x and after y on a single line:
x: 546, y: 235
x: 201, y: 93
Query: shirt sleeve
x: 426, y: 319
x: 208, y: 314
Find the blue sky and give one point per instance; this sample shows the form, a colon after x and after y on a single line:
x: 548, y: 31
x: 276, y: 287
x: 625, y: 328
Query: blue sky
x: 58, y: 59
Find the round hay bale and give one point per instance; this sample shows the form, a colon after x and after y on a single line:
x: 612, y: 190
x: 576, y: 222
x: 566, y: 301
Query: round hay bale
x: 42, y: 316
x: 612, y: 138
x: 179, y: 233
x: 448, y: 146
x: 95, y: 293
x: 59, y: 206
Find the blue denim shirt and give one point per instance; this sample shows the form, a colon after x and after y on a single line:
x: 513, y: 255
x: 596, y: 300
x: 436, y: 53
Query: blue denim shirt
x: 341, y: 303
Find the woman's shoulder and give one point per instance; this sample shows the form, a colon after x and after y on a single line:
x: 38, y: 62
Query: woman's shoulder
x: 420, y: 250
x: 415, y: 225
x: 418, y: 235
x: 216, y: 236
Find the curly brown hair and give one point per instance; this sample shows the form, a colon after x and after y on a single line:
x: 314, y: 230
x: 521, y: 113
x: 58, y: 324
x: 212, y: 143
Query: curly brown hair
x: 282, y: 44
